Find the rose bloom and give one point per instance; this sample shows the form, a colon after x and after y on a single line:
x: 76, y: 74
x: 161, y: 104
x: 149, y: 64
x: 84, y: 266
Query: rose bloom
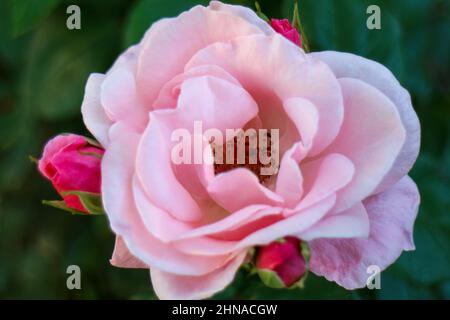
x: 284, y: 27
x: 284, y: 259
x: 348, y: 137
x: 71, y: 163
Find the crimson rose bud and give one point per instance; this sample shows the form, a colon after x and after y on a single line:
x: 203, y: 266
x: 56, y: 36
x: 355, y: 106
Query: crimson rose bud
x: 72, y: 163
x: 284, y: 27
x: 284, y: 259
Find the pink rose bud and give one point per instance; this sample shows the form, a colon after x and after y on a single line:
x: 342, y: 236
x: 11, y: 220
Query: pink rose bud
x: 284, y: 27
x: 72, y: 164
x: 281, y: 260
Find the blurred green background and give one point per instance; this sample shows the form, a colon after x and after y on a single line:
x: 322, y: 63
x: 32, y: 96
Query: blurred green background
x: 43, y: 69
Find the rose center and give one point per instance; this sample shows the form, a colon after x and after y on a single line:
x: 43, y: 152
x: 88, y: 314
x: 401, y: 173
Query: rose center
x: 243, y: 151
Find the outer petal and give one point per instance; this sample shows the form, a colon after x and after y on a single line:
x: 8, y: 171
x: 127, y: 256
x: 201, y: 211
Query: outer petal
x: 120, y: 100
x: 296, y: 223
x: 392, y: 214
x: 371, y: 136
x: 118, y: 201
x: 234, y: 221
x: 174, y: 287
x: 351, y: 223
x: 122, y: 258
x: 158, y: 222
x: 243, y: 12
x: 377, y: 75
x: 94, y: 116
x: 170, y: 43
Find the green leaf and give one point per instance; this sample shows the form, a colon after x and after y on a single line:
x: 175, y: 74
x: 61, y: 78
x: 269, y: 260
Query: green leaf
x: 296, y: 23
x: 271, y: 279
x: 33, y: 159
x: 59, y: 63
x: 91, y: 154
x: 93, y: 142
x: 92, y: 202
x: 25, y: 14
x: 59, y: 204
x: 146, y: 12
x: 341, y: 26
x: 260, y: 13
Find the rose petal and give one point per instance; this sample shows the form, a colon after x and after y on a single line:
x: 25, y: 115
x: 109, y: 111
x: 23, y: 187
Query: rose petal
x: 122, y: 258
x: 168, y: 96
x: 117, y: 173
x: 94, y: 116
x: 371, y: 136
x: 294, y: 224
x: 243, y: 12
x: 274, y: 64
x: 227, y: 190
x: 351, y: 223
x: 170, y: 286
x: 170, y: 43
x: 120, y: 100
x: 377, y: 75
x: 158, y: 222
x: 289, y: 183
x: 324, y: 177
x: 392, y: 214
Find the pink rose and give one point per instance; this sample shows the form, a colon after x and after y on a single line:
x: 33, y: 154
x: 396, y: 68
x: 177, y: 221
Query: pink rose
x: 285, y: 28
x: 348, y: 137
x: 72, y: 164
x: 284, y: 260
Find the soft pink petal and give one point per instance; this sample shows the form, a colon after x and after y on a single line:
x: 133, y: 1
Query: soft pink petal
x: 154, y: 169
x: 239, y: 188
x: 122, y: 258
x: 117, y: 173
x: 233, y: 221
x: 173, y: 287
x: 377, y: 75
x: 127, y: 59
x: 218, y: 103
x: 305, y: 117
x: 289, y: 183
x: 120, y: 100
x: 94, y: 116
x: 324, y: 177
x: 168, y: 96
x: 371, y: 136
x: 392, y: 214
x: 170, y: 43
x: 158, y: 222
x: 296, y: 223
x: 273, y: 64
x: 351, y: 223
x: 243, y: 12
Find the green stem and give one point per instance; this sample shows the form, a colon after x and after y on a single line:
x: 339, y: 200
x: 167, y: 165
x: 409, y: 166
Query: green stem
x: 296, y: 23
